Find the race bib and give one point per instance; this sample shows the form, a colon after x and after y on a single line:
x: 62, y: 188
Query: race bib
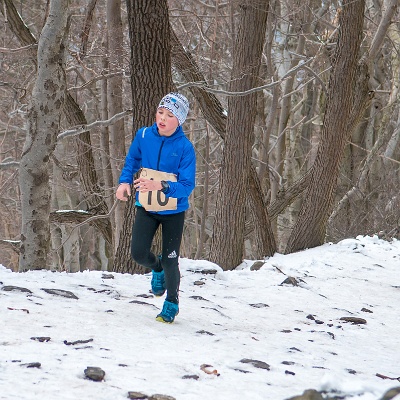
x: 156, y: 199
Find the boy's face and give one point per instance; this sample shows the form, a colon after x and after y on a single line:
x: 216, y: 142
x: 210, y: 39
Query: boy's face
x: 166, y: 122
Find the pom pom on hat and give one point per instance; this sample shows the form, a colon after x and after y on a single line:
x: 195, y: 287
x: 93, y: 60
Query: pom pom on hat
x: 177, y: 104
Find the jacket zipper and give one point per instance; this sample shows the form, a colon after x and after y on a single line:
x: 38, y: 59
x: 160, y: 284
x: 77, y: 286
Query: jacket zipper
x: 159, y: 154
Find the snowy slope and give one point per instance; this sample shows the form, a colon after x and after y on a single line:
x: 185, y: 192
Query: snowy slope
x: 235, y: 322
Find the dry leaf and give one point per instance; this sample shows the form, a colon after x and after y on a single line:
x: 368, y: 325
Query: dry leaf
x: 205, y: 368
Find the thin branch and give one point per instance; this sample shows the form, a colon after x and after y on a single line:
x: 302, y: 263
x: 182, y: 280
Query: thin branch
x: 85, y: 128
x: 13, y: 244
x: 204, y: 86
x: 17, y: 50
x: 8, y: 127
x: 371, y: 151
x: 286, y: 196
x: 90, y: 219
x: 360, y: 186
x: 225, y: 92
x: 380, y: 34
x: 97, y: 78
x: 211, y: 7
x: 316, y: 76
x: 9, y: 165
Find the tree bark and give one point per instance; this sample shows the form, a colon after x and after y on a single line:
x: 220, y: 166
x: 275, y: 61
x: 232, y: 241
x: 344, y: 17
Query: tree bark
x: 385, y: 132
x: 114, y: 101
x: 394, y: 35
x: 87, y: 26
x: 151, y: 79
x: 214, y: 113
x: 48, y: 98
x: 302, y: 30
x: 64, y: 238
x: 20, y: 30
x: 87, y: 172
x: 227, y: 246
x: 342, y: 112
x: 75, y: 116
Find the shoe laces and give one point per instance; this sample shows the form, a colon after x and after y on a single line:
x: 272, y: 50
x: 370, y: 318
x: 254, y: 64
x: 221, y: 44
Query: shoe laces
x: 158, y: 278
x: 170, y: 309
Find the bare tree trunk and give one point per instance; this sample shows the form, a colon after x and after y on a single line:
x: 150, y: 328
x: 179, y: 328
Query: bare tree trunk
x: 90, y: 7
x: 341, y: 112
x: 210, y: 106
x: 286, y: 162
x: 74, y: 116
x: 302, y: 30
x: 215, y: 115
x: 43, y: 125
x: 206, y: 195
x: 227, y: 247
x: 94, y: 198
x: 385, y: 135
x: 114, y: 101
x: 65, y: 238
x: 151, y: 79
x: 104, y: 139
x: 16, y: 24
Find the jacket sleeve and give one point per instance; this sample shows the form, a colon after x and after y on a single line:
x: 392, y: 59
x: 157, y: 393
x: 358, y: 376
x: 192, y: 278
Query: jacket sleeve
x: 186, y: 175
x: 133, y: 160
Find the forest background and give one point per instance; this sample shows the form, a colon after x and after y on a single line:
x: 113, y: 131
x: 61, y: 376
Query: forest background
x: 294, y: 117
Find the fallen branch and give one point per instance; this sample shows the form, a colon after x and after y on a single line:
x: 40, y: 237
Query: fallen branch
x: 74, y: 343
x: 19, y: 309
x: 388, y: 377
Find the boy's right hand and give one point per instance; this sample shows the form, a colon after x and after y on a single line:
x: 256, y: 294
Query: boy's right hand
x: 123, y: 188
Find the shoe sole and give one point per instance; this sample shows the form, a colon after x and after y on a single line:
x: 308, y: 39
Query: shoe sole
x: 159, y: 294
x: 161, y: 319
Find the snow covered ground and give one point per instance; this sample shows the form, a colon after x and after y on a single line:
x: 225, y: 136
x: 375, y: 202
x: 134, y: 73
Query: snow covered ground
x: 235, y: 322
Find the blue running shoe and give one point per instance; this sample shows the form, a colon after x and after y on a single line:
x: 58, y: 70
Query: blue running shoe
x: 158, y: 283
x: 168, y: 313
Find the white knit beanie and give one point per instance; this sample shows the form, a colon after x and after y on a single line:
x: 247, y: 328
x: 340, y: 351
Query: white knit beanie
x: 177, y: 104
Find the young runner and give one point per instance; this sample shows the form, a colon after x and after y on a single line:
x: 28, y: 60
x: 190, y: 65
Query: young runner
x: 167, y: 162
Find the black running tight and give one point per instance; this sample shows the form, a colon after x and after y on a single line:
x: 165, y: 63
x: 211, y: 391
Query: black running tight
x: 143, y: 232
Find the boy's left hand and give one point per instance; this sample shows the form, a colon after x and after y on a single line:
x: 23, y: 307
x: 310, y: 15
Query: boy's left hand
x: 147, y: 185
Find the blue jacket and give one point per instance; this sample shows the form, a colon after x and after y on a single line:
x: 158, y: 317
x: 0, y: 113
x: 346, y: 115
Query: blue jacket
x: 174, y: 154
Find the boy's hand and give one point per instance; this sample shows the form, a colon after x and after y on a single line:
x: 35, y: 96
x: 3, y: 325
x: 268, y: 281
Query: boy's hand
x: 123, y: 190
x: 147, y: 185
